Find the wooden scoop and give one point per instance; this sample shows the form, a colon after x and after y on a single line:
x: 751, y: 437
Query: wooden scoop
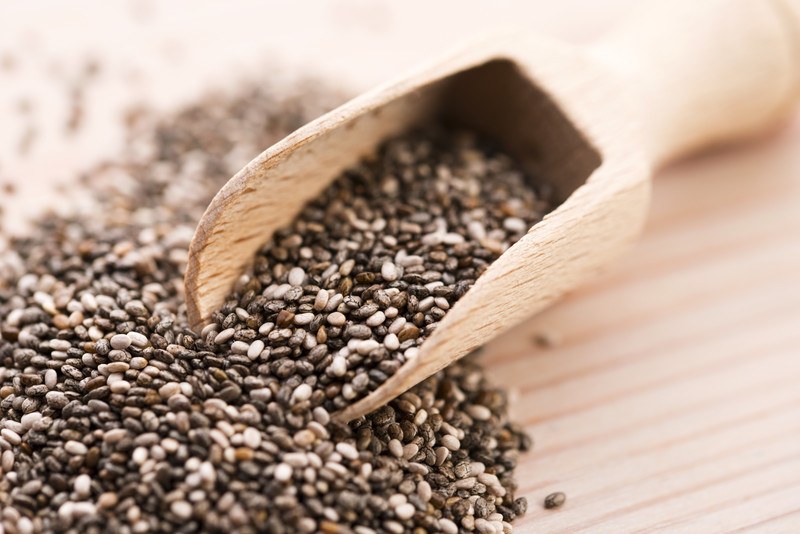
x: 594, y: 123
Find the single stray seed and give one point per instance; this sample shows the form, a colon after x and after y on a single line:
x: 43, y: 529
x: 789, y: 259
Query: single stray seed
x: 554, y: 500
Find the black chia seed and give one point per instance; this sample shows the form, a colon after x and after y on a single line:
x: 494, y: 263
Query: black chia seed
x: 555, y: 500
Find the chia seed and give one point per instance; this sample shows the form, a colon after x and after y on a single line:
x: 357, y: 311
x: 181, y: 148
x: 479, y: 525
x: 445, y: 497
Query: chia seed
x: 555, y: 500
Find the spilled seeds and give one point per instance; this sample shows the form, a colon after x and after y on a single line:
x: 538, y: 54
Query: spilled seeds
x: 117, y: 417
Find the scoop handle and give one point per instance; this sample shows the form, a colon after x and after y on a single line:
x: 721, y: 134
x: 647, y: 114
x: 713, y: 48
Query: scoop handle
x: 704, y: 72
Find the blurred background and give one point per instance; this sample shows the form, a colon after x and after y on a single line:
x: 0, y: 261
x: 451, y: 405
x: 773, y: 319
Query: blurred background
x: 70, y: 71
x: 663, y: 396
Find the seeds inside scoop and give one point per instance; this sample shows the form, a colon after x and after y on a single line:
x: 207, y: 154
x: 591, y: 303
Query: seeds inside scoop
x: 365, y: 272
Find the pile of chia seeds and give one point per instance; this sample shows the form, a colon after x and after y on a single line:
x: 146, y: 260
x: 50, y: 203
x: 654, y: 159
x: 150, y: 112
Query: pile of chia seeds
x: 116, y: 417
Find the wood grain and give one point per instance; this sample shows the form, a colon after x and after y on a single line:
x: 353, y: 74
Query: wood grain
x: 671, y: 402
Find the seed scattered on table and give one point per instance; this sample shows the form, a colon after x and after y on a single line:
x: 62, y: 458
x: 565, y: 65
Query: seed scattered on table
x: 554, y: 500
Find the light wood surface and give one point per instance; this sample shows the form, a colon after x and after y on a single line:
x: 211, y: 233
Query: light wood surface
x: 671, y: 401
x: 591, y: 124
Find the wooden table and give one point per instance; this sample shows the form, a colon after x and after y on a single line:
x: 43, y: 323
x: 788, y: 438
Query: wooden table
x: 671, y: 397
